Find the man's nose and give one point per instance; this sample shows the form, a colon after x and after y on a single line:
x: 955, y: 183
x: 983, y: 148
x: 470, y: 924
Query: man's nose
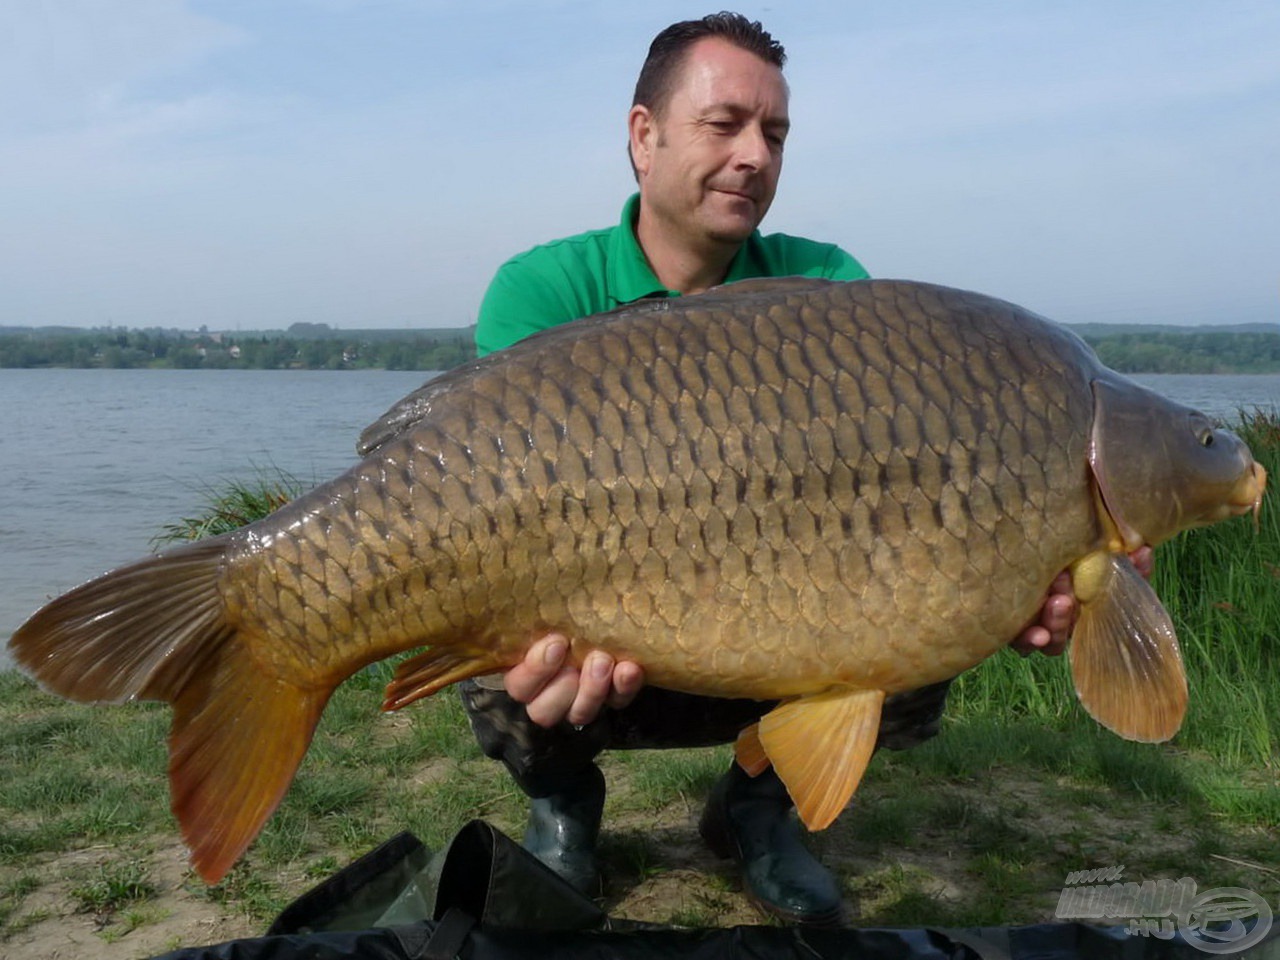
x: 753, y: 148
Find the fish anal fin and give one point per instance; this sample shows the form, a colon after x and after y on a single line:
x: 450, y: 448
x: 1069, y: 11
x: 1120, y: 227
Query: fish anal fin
x: 820, y: 746
x: 434, y: 670
x: 1124, y: 654
x: 749, y: 751
x: 238, y: 735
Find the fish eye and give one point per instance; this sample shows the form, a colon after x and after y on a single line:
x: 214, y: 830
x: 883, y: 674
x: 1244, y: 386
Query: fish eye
x: 1202, y: 426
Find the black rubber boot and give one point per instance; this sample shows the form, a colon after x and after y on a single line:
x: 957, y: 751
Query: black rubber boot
x: 564, y: 823
x: 750, y: 819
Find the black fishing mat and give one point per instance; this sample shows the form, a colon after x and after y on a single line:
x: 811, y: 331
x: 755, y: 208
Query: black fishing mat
x: 482, y: 897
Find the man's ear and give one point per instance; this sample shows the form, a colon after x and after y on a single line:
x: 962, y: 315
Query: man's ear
x: 642, y: 132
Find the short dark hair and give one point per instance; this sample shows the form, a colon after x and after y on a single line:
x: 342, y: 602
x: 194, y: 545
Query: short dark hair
x: 666, y: 53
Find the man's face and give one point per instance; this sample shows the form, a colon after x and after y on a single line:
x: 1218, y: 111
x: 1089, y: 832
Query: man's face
x: 708, y: 162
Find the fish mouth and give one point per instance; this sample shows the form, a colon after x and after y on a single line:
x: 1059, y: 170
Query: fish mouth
x: 1247, y: 496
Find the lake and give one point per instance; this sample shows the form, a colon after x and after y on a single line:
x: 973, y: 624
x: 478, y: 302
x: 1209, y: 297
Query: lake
x: 97, y: 461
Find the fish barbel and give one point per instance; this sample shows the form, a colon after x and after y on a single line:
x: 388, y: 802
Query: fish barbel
x: 814, y: 492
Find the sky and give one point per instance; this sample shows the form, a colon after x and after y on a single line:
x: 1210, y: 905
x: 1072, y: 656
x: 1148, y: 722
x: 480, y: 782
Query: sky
x: 370, y: 163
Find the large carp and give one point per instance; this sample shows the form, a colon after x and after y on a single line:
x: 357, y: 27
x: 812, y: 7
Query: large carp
x: 816, y: 492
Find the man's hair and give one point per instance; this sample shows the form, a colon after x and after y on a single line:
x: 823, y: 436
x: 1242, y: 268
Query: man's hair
x: 666, y: 53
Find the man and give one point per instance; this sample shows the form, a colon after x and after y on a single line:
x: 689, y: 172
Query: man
x: 706, y: 135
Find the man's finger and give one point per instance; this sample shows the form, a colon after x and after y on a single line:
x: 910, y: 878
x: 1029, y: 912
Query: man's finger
x: 628, y: 678
x: 1059, y: 614
x: 1032, y: 639
x: 1144, y: 559
x: 594, y: 685
x: 540, y: 666
x: 1061, y: 584
x: 550, y: 706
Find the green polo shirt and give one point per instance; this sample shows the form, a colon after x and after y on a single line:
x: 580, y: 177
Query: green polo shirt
x: 602, y: 269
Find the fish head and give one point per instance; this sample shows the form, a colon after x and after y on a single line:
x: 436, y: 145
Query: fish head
x: 1161, y: 468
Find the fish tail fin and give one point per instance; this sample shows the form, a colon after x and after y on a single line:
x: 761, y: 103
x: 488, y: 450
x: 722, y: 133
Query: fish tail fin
x: 130, y: 633
x: 238, y: 735
x: 157, y: 630
x: 1124, y: 654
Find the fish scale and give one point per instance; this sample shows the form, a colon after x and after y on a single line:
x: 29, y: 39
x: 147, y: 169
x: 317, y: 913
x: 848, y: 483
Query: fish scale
x: 800, y: 490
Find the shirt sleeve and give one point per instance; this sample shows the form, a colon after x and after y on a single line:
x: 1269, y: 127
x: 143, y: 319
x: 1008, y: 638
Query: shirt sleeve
x: 520, y: 301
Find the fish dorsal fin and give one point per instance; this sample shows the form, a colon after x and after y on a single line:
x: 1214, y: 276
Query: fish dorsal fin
x: 1124, y: 653
x: 820, y: 745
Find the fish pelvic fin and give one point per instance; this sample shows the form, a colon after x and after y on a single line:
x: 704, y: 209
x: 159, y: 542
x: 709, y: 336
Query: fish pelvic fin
x: 434, y: 670
x: 820, y: 746
x: 1124, y: 654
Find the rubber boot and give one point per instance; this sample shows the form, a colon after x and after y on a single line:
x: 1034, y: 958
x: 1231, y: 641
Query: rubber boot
x: 564, y: 823
x: 750, y: 820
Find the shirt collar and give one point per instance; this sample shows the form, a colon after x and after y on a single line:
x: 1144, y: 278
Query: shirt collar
x: 630, y: 276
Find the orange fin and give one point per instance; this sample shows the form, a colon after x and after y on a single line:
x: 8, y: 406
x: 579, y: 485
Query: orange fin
x: 821, y: 745
x: 108, y: 640
x: 238, y: 735
x: 749, y: 751
x: 1124, y: 655
x: 434, y: 670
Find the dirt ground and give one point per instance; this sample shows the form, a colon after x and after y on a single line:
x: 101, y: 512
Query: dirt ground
x: 1002, y: 861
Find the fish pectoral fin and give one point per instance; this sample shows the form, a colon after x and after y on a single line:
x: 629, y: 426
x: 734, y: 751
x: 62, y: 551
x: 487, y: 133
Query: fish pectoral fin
x: 237, y: 738
x: 1124, y: 653
x: 821, y: 745
x: 749, y: 751
x: 434, y: 670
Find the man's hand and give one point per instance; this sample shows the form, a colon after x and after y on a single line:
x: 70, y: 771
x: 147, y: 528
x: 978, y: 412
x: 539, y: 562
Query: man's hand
x: 1058, y: 615
x: 553, y: 690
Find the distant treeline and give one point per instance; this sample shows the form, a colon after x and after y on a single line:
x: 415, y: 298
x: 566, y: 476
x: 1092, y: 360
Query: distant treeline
x: 1199, y: 352
x: 316, y: 347
x: 126, y: 349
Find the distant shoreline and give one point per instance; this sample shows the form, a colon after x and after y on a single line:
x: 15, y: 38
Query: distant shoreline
x: 1127, y: 349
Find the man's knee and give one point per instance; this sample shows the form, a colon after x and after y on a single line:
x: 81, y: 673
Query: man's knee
x: 909, y: 719
x: 504, y: 732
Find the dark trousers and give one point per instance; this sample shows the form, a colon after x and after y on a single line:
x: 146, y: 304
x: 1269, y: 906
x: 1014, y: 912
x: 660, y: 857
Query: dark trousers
x: 540, y: 758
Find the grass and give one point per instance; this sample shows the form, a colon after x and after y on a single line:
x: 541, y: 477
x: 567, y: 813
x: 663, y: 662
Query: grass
x: 113, y: 887
x: 977, y: 826
x: 234, y: 504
